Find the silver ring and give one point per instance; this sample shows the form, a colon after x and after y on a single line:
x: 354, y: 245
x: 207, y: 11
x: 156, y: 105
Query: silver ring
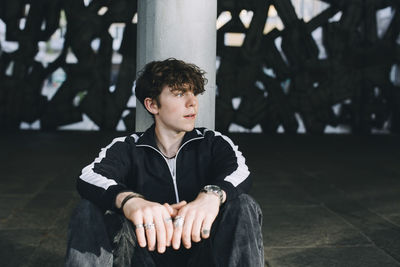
x: 205, y: 231
x: 168, y: 219
x: 178, y: 222
x: 140, y: 225
x: 148, y: 226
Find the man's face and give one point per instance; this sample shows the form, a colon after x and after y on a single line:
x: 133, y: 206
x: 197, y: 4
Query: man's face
x: 177, y: 110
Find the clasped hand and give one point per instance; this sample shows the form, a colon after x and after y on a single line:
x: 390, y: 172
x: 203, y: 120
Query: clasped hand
x: 166, y: 225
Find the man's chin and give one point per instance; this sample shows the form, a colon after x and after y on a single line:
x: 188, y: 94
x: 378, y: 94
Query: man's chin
x: 189, y: 128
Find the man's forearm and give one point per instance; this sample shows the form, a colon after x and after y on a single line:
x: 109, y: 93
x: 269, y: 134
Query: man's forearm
x: 124, y: 197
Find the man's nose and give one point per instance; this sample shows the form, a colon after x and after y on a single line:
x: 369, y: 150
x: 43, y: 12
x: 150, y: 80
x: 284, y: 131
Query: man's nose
x: 191, y: 100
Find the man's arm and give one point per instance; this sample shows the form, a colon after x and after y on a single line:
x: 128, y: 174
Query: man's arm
x: 229, y: 170
x: 103, y: 179
x: 230, y: 173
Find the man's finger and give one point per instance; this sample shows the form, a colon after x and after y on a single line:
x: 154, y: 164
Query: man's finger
x: 149, y: 228
x: 197, y: 223
x: 176, y: 237
x: 169, y: 209
x: 206, y: 227
x: 187, y: 229
x: 139, y: 229
x: 160, y: 232
x: 174, y: 208
x: 168, y: 227
x: 179, y: 205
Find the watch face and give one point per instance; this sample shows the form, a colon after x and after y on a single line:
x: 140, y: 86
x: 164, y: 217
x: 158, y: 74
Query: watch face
x: 212, y: 188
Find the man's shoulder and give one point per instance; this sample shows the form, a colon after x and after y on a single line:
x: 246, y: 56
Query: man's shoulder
x: 129, y: 139
x: 134, y: 136
x: 206, y: 132
x: 212, y: 136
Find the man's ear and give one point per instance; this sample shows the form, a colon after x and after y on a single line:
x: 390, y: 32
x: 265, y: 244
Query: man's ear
x: 151, y: 105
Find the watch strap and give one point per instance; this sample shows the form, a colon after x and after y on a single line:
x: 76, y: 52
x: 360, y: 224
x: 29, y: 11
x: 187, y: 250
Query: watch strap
x: 214, y: 189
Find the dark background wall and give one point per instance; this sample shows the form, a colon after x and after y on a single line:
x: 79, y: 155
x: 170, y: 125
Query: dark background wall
x: 281, y: 78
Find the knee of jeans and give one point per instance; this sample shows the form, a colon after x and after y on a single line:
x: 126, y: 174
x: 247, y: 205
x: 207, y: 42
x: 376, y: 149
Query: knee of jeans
x: 85, y: 214
x: 244, y: 205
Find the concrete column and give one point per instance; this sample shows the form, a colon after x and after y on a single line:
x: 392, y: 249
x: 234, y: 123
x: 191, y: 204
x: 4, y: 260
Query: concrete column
x: 183, y: 29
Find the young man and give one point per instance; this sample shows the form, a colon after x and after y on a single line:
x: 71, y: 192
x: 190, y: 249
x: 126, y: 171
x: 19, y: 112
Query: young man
x: 171, y: 196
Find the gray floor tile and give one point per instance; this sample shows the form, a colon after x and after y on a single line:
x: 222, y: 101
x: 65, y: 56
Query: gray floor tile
x: 278, y: 195
x: 307, y: 227
x: 50, y: 252
x: 329, y: 257
x: 39, y: 213
x: 380, y: 231
x: 10, y: 203
x: 16, y: 246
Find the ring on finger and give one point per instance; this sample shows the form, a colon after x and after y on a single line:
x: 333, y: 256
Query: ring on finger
x: 178, y: 222
x: 140, y: 225
x: 148, y: 226
x: 169, y: 219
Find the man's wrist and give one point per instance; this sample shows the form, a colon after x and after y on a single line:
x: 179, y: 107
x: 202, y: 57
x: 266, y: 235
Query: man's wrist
x: 123, y: 197
x: 215, y: 190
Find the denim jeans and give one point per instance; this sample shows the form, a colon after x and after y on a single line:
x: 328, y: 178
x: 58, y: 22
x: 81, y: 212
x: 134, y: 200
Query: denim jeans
x: 97, y: 239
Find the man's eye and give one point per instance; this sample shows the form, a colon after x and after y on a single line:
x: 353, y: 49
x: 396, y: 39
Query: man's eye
x: 180, y: 94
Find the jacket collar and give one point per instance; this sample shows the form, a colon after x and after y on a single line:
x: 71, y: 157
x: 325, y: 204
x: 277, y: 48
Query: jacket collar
x: 148, y: 137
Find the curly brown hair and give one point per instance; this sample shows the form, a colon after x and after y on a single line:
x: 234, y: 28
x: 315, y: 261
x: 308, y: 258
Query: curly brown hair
x: 176, y: 74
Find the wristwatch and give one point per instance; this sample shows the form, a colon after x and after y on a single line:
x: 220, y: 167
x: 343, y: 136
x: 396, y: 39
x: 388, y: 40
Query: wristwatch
x: 214, y: 189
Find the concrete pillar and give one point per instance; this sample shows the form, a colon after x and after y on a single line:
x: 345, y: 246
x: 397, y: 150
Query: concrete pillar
x: 183, y: 29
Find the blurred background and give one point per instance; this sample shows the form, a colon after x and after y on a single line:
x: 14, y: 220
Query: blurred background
x: 289, y: 66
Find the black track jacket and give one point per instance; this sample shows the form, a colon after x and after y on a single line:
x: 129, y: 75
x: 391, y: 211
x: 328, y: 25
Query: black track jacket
x: 134, y: 163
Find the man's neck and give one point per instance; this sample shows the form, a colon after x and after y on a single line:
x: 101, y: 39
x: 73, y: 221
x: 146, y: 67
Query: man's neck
x: 168, y: 141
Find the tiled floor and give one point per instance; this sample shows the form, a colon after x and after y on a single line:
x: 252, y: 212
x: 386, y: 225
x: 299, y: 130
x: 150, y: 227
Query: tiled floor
x: 327, y: 200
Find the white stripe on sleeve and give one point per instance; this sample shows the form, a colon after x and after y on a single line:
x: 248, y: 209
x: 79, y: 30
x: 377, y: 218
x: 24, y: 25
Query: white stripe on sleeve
x: 242, y: 172
x: 89, y: 176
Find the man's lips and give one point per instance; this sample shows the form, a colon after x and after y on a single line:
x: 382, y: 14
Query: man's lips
x: 190, y: 116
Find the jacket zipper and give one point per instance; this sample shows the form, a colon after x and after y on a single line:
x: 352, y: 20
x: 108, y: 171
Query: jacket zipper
x: 176, y: 156
x: 174, y: 181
